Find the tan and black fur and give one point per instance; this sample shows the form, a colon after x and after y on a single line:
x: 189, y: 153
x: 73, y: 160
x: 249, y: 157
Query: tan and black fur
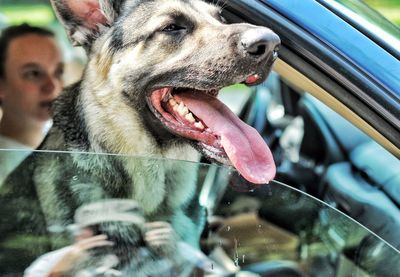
x: 136, y: 47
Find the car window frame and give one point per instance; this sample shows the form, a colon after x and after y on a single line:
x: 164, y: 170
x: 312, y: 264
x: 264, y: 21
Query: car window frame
x: 390, y: 31
x: 325, y: 66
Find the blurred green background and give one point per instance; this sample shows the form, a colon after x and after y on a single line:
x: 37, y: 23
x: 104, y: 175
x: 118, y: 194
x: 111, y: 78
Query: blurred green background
x: 388, y: 8
x: 38, y: 12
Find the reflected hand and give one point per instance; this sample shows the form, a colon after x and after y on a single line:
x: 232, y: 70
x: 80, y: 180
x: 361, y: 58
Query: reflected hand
x: 161, y: 237
x: 77, y: 251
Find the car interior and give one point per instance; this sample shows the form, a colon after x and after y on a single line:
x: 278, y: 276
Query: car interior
x: 319, y: 152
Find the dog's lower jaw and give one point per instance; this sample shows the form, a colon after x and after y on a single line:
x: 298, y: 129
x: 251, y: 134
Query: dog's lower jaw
x: 214, y: 154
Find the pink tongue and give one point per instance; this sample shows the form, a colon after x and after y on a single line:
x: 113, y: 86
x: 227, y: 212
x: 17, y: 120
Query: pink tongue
x: 244, y: 146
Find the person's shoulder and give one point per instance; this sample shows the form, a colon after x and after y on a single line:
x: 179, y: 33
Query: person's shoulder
x: 9, y: 143
x: 9, y: 160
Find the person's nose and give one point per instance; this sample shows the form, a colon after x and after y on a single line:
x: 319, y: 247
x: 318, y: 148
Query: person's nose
x: 51, y: 85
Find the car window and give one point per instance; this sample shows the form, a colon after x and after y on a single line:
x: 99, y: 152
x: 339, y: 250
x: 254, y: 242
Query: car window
x: 257, y: 229
x: 320, y: 152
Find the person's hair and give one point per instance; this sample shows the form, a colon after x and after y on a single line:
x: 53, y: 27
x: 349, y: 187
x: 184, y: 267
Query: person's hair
x: 13, y: 32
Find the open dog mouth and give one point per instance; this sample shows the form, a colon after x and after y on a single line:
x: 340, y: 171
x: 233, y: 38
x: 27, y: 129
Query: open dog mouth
x: 198, y: 115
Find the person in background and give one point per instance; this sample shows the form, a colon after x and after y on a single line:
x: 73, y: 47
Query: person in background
x: 31, y: 69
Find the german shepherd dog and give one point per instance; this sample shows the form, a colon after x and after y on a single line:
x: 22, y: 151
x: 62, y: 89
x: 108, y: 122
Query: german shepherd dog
x: 149, y: 89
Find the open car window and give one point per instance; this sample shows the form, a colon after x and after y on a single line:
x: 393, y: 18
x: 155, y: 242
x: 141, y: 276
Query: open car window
x: 319, y: 151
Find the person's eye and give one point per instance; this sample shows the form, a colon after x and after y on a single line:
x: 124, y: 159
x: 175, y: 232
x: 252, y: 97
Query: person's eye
x: 59, y: 74
x: 33, y: 74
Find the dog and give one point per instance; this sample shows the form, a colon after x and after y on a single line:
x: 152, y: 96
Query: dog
x: 149, y: 89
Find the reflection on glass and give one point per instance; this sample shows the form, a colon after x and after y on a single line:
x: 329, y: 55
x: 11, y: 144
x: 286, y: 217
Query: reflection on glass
x: 95, y: 223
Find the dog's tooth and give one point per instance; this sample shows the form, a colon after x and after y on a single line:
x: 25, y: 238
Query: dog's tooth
x: 190, y: 117
x: 172, y: 102
x: 182, y: 109
x: 199, y: 125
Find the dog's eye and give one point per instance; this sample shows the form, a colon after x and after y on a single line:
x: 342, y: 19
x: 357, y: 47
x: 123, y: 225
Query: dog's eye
x: 172, y: 28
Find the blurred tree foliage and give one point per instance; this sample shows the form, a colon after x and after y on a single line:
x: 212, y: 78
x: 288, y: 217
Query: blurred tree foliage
x: 13, y: 2
x: 388, y: 8
x: 383, y: 2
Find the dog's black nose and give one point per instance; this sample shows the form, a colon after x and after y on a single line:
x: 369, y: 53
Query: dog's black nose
x: 259, y: 42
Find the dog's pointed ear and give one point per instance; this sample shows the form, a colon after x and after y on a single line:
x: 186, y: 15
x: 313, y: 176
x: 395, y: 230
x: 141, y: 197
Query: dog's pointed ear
x: 84, y: 20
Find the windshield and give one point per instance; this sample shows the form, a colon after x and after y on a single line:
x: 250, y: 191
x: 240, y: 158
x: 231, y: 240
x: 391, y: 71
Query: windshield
x: 215, y: 222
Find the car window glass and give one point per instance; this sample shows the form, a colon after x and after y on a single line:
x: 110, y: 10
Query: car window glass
x: 256, y: 229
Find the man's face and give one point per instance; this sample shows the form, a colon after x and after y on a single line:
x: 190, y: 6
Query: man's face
x: 33, y: 77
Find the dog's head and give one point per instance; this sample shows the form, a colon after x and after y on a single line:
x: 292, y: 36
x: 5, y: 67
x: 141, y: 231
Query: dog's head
x: 169, y: 58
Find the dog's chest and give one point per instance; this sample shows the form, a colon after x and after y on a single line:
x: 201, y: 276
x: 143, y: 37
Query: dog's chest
x: 161, y: 186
